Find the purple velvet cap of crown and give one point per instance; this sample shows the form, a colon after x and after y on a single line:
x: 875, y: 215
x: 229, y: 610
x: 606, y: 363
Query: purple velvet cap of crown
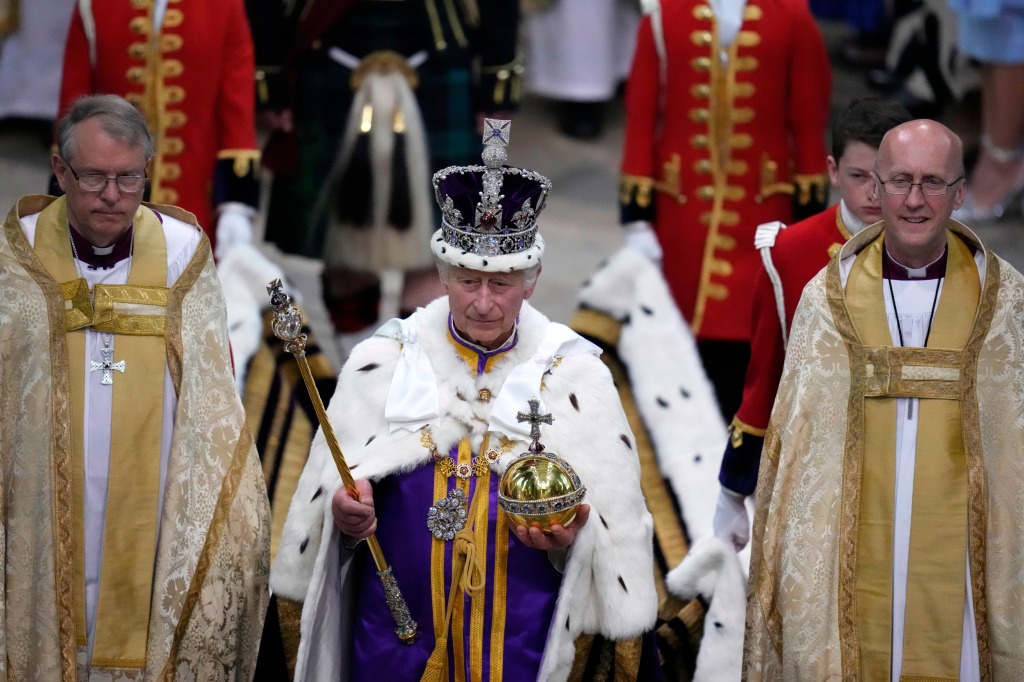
x: 517, y: 188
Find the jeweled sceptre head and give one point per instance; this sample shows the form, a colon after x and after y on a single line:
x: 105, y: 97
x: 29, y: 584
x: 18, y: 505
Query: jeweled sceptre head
x: 489, y: 212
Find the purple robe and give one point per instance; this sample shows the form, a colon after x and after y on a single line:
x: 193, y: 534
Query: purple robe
x: 532, y: 583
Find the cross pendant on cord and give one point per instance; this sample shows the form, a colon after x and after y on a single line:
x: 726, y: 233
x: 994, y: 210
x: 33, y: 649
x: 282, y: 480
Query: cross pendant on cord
x: 107, y: 366
x: 536, y: 419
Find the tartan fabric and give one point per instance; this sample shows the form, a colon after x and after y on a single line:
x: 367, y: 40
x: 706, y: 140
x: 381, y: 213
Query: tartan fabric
x: 446, y: 96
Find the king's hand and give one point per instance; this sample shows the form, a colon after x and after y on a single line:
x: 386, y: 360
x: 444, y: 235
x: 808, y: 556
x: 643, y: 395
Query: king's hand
x: 560, y: 536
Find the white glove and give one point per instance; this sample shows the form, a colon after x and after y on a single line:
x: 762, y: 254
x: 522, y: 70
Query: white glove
x: 641, y: 238
x: 234, y: 226
x: 731, y: 522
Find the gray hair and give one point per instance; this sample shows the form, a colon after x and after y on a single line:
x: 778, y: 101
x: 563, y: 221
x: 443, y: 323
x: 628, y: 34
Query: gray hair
x: 117, y: 118
x: 530, y: 274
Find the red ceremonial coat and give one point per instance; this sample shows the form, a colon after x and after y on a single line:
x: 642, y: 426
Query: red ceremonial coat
x: 193, y: 81
x: 799, y: 253
x: 722, y: 149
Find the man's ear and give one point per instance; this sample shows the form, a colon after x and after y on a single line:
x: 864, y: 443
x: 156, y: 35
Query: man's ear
x: 833, y: 170
x: 60, y: 169
x: 529, y: 290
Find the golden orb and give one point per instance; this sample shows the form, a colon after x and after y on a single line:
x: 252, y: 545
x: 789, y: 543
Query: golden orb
x: 540, y: 489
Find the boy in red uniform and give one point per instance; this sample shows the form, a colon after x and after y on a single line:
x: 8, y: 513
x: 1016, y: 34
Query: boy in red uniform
x: 791, y: 257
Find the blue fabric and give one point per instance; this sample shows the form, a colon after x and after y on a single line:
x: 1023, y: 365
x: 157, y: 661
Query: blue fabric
x: 863, y: 15
x: 991, y: 30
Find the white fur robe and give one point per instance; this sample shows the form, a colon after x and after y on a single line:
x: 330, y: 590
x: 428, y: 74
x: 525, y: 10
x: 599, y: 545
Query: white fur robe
x: 607, y: 585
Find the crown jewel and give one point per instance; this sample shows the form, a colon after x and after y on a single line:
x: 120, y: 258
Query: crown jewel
x: 504, y: 202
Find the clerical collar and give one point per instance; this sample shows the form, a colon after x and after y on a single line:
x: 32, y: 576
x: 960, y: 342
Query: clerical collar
x: 102, y: 257
x: 482, y: 354
x: 891, y: 269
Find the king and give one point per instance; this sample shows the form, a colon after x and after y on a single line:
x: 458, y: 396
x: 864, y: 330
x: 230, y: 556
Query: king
x: 427, y: 414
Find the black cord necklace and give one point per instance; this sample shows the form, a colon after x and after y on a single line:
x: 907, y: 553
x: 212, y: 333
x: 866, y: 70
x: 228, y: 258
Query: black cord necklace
x: 931, y: 316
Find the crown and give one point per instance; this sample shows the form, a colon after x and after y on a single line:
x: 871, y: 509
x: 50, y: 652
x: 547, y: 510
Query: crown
x: 489, y: 212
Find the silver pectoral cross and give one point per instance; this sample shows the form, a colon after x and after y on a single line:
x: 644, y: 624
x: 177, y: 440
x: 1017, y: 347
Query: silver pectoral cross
x: 108, y: 365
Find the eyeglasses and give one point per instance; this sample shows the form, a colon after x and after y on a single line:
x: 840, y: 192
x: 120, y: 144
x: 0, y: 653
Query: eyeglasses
x: 930, y: 188
x: 97, y: 182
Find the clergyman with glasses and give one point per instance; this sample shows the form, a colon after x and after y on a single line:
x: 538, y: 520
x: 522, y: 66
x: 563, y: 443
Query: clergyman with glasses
x: 889, y: 532
x: 135, y: 524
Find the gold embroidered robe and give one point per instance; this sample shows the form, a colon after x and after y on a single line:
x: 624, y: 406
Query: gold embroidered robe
x: 802, y: 620
x: 210, y: 572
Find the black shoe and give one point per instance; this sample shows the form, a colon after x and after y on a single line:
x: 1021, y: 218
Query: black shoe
x: 581, y: 120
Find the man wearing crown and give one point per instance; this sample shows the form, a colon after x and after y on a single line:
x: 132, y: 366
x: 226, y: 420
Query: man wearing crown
x: 427, y: 413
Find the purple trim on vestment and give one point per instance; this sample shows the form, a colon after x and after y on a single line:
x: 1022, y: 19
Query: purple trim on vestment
x: 891, y: 269
x: 108, y: 256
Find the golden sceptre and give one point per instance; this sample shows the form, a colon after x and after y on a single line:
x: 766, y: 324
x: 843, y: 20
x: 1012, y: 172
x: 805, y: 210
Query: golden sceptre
x: 287, y: 326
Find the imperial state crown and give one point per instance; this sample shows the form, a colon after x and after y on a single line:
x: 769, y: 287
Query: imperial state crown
x: 489, y: 212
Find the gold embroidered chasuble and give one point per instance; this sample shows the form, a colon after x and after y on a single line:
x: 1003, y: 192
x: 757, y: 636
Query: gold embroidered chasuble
x: 201, y: 609
x: 819, y: 605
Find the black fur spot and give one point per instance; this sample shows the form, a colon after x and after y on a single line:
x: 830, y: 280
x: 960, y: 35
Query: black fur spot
x: 574, y: 401
x: 444, y: 249
x: 529, y: 256
x: 603, y: 522
x: 625, y: 439
x: 460, y: 396
x: 684, y: 393
x: 586, y: 282
x: 662, y: 402
x: 697, y: 458
x: 367, y: 368
x: 438, y: 239
x: 602, y: 264
x: 302, y: 547
x: 371, y: 439
x: 485, y: 264
x: 717, y: 624
x: 319, y: 491
x: 628, y: 319
x: 623, y: 583
x: 567, y: 622
x: 647, y: 311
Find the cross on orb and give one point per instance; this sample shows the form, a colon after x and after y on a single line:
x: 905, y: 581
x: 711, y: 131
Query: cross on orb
x: 536, y: 419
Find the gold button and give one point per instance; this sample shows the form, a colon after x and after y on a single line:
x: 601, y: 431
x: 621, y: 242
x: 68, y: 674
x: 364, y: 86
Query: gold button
x: 699, y: 115
x: 484, y: 395
x: 172, y: 68
x: 701, y: 38
x: 701, y: 63
x: 702, y: 12
x: 137, y: 50
x: 699, y: 141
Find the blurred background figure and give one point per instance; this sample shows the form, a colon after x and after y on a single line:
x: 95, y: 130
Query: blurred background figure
x: 992, y: 32
x: 188, y: 66
x: 31, y: 43
x: 380, y: 94
x: 924, y: 67
x: 726, y: 112
x: 577, y: 53
x: 870, y: 21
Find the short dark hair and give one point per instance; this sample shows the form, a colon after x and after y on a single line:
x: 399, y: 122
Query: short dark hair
x: 117, y: 117
x: 866, y: 120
